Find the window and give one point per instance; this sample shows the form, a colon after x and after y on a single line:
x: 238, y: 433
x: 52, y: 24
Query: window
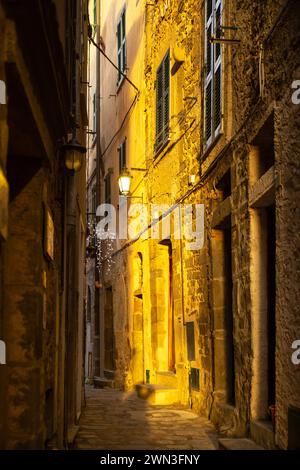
x: 94, y: 199
x: 162, y: 102
x: 122, y: 156
x: 109, y: 337
x: 195, y: 379
x: 213, y: 71
x: 107, y: 188
x: 95, y: 11
x: 121, y: 35
x: 89, y: 306
x: 190, y: 340
x: 94, y: 113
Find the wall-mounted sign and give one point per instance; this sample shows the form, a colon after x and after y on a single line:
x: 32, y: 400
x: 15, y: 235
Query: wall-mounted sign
x: 2, y: 353
x: 48, y: 233
x: 2, y: 92
x: 4, y: 191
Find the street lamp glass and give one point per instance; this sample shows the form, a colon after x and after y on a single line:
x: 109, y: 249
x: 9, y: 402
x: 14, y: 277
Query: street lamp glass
x: 73, y: 155
x: 124, y: 183
x: 73, y: 160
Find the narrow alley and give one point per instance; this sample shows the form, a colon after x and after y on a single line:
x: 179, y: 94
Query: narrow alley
x: 149, y: 226
x: 115, y: 420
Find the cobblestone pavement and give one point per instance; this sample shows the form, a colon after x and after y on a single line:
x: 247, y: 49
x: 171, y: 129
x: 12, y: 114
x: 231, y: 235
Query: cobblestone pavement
x: 114, y: 420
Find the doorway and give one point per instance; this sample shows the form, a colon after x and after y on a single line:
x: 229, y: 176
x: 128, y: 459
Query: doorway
x: 171, y: 342
x: 263, y: 295
x: 271, y: 304
x: 108, y: 331
x: 167, y: 324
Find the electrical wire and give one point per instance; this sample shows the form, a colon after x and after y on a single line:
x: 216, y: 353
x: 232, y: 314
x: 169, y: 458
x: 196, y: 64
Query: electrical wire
x: 123, y: 75
x: 121, y: 126
x: 112, y: 63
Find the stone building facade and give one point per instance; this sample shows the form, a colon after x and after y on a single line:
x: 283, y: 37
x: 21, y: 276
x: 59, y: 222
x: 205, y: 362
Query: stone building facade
x: 42, y: 239
x: 213, y: 124
x: 92, y: 353
x: 118, y: 101
x: 264, y: 175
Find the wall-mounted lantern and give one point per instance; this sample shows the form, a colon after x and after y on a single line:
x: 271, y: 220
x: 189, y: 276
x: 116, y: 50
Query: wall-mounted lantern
x: 125, y: 182
x: 73, y: 152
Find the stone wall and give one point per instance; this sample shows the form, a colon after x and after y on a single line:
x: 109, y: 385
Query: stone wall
x: 36, y: 281
x: 276, y: 27
x: 251, y: 166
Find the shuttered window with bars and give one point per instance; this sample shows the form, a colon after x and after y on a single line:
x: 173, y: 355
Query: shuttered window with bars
x: 107, y: 188
x: 94, y: 113
x: 162, y: 102
x: 121, y: 37
x: 122, y: 156
x: 213, y: 72
x: 95, y: 12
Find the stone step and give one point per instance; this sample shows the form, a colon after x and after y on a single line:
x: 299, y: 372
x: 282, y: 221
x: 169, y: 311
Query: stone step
x: 158, y: 394
x: 238, y: 444
x: 168, y: 379
x: 102, y: 382
x: 263, y: 434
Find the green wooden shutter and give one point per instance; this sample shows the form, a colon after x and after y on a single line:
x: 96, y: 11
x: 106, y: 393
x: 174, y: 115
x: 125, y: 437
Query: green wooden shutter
x: 95, y: 11
x: 122, y: 156
x: 94, y: 113
x: 208, y: 86
x: 121, y: 39
x: 217, y: 78
x: 166, y: 102
x: 124, y: 58
x: 217, y: 99
x: 107, y: 188
x: 124, y: 153
x: 209, y: 8
x: 208, y: 111
x: 162, y: 102
x: 213, y: 72
x: 159, y: 105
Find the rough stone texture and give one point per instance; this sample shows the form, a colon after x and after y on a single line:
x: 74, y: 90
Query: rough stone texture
x: 281, y: 68
x: 33, y: 287
x: 23, y: 317
x: 30, y: 339
x: 238, y: 444
x: 201, y: 296
x: 115, y: 420
x: 166, y: 181
x: 288, y: 242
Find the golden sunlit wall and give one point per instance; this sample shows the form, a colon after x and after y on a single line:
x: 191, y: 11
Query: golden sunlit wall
x: 158, y: 286
x: 178, y: 279
x: 122, y: 335
x: 92, y: 351
x: 185, y: 323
